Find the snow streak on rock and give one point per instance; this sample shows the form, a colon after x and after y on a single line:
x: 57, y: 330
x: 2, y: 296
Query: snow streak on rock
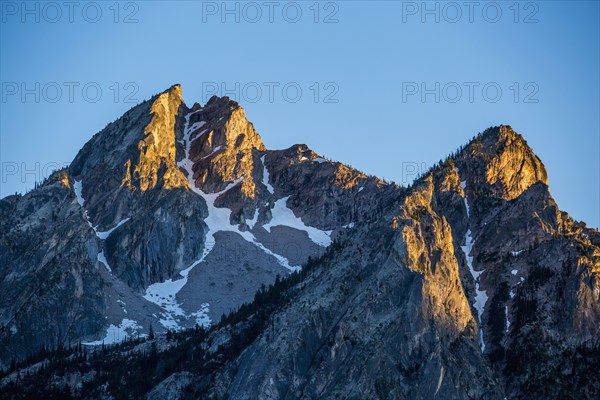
x: 480, y: 295
x: 78, y: 189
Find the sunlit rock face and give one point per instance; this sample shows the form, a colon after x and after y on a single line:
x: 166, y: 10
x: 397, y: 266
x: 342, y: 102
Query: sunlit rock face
x: 502, y: 159
x: 223, y: 146
x: 156, y: 163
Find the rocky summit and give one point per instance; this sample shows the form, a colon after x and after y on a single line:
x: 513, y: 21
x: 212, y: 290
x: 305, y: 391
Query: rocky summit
x: 177, y: 257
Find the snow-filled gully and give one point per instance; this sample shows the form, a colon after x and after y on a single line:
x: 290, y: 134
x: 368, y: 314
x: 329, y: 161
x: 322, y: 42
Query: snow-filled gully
x: 218, y: 220
x: 480, y: 295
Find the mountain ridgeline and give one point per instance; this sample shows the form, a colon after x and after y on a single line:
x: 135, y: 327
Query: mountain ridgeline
x: 178, y: 257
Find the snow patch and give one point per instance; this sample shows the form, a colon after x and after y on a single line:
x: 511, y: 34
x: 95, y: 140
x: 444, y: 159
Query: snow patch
x: 106, y: 234
x: 516, y: 253
x: 254, y: 220
x: 164, y: 293
x: 319, y: 160
x: 78, y: 189
x: 216, y: 149
x: 440, y: 380
x: 218, y: 219
x: 118, y: 333
x: 202, y: 318
x: 270, y: 188
x: 282, y: 215
x: 196, y: 126
x: 102, y: 259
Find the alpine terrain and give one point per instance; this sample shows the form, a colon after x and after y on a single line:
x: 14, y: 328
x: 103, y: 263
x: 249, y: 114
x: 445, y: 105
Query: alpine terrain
x: 177, y: 257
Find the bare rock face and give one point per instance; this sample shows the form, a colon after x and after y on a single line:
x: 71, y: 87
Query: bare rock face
x: 129, y: 174
x: 333, y: 194
x: 534, y: 270
x: 130, y: 156
x: 503, y: 158
x: 427, y: 247
x: 51, y: 289
x: 222, y: 146
x: 156, y: 151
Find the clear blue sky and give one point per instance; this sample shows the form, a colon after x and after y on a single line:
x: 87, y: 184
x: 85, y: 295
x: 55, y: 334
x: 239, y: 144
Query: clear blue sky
x: 370, y: 56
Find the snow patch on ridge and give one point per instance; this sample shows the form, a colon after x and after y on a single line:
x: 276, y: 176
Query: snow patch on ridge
x: 216, y: 149
x: 193, y: 128
x: 440, y: 380
x: 252, y: 222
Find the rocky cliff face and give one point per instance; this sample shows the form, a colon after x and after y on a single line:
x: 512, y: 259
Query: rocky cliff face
x: 537, y: 269
x: 472, y: 283
x: 51, y: 290
x: 386, y: 317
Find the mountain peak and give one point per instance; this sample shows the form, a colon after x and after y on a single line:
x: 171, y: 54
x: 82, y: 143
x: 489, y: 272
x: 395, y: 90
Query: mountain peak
x: 501, y: 159
x: 157, y: 151
x: 221, y: 143
x: 173, y: 90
